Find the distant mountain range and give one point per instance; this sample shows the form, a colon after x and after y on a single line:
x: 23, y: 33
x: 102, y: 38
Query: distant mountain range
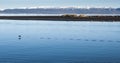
x: 61, y: 11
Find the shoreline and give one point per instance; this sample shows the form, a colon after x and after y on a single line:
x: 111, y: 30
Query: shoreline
x: 65, y: 18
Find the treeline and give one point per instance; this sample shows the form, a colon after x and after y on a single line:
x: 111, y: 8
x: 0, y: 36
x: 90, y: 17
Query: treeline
x: 65, y: 17
x: 91, y: 18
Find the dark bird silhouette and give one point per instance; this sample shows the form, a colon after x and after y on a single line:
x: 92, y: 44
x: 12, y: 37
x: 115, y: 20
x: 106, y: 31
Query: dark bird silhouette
x: 19, y: 37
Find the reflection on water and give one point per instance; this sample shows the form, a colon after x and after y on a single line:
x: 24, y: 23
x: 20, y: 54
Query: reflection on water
x: 59, y: 42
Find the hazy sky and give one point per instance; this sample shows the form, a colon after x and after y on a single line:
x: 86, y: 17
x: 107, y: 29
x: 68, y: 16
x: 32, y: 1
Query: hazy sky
x: 58, y: 3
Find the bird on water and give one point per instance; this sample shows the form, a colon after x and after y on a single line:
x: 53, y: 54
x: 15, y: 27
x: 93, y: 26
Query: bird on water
x: 19, y: 37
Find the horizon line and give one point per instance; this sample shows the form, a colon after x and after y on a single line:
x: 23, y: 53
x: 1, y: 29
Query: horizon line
x: 87, y: 7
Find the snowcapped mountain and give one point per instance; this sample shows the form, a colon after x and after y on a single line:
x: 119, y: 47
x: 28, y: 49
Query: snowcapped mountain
x: 61, y: 10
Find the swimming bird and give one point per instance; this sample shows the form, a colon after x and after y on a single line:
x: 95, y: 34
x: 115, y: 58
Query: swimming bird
x: 19, y: 35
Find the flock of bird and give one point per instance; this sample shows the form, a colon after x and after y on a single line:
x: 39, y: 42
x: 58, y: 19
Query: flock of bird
x: 93, y: 40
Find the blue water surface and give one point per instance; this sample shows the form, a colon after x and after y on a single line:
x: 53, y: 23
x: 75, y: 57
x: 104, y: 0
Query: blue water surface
x: 33, y: 41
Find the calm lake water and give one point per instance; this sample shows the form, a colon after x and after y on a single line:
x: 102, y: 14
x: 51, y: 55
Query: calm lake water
x: 59, y: 42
